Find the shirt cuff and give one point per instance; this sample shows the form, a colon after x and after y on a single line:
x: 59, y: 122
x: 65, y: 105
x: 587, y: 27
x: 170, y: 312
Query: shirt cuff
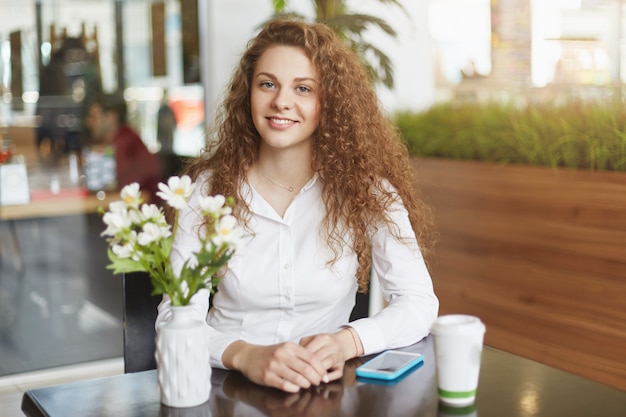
x: 372, y: 338
x: 218, y: 344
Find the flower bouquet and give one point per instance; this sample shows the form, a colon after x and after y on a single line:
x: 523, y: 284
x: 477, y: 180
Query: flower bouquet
x: 140, y: 239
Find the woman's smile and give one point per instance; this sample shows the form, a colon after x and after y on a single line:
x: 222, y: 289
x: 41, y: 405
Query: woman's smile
x: 281, y: 123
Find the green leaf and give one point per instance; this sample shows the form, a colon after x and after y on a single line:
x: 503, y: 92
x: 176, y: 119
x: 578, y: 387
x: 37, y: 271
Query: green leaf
x: 279, y: 5
x: 120, y: 266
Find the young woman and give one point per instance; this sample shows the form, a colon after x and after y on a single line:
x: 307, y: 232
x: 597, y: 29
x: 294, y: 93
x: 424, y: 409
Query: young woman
x: 324, y: 187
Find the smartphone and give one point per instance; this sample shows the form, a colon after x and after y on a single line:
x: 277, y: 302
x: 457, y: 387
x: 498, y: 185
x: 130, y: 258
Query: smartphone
x: 389, y: 365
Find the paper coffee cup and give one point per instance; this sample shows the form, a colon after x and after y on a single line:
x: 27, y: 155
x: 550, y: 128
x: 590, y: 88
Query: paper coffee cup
x: 458, y: 342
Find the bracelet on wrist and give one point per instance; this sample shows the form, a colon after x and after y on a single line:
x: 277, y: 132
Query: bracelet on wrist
x: 356, y: 346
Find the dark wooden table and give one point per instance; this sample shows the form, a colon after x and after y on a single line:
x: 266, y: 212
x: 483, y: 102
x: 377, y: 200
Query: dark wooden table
x: 509, y: 386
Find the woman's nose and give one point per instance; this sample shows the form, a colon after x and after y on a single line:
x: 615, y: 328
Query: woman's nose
x: 283, y: 100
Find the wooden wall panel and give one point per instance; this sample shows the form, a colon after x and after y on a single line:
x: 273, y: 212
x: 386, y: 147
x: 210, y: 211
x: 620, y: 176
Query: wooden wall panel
x: 539, y: 255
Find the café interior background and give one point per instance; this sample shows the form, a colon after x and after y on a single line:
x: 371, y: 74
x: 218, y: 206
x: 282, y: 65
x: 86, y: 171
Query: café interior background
x: 58, y: 303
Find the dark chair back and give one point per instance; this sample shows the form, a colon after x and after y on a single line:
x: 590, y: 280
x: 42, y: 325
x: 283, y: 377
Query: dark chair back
x: 140, y: 311
x: 361, y: 308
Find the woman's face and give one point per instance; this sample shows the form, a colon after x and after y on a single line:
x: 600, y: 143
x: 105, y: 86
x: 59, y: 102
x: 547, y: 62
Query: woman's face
x: 285, y: 97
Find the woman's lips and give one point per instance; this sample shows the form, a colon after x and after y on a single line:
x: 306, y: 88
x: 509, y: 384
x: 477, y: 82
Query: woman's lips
x: 280, y: 123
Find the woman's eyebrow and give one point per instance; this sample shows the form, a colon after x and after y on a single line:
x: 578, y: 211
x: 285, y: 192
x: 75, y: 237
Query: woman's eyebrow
x: 301, y: 79
x: 297, y: 79
x: 265, y: 74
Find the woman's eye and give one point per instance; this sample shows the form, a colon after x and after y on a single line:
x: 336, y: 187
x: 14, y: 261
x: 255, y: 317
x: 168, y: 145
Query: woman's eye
x: 303, y: 89
x: 267, y: 84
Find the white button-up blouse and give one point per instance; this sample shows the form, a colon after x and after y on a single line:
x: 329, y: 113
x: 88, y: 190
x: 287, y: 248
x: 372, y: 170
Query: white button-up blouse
x: 279, y: 286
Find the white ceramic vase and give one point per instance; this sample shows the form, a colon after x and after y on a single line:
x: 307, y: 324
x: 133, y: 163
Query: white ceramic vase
x: 182, y: 357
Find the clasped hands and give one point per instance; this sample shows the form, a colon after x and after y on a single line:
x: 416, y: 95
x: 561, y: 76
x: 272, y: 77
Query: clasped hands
x: 291, y: 366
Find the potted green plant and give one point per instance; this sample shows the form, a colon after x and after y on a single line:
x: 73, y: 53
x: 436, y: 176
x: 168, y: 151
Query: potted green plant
x: 576, y: 135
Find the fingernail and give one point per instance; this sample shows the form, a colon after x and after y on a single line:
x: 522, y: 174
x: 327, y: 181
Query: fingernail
x: 326, y: 379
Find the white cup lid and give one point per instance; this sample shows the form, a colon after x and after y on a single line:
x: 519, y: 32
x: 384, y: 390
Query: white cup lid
x: 458, y: 324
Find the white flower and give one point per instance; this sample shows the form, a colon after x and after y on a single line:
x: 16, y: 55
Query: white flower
x: 117, y: 206
x: 214, y: 206
x: 227, y: 232
x: 151, y: 212
x: 151, y: 232
x: 116, y: 221
x: 130, y: 194
x: 127, y: 248
x: 177, y: 191
x: 123, y: 251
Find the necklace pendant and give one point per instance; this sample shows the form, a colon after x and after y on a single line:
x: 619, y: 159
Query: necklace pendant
x: 290, y: 189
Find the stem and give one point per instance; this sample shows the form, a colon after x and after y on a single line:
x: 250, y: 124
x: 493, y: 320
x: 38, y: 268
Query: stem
x: 175, y: 225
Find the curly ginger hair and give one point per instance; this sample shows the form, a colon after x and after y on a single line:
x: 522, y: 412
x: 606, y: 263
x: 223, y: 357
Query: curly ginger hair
x: 355, y: 147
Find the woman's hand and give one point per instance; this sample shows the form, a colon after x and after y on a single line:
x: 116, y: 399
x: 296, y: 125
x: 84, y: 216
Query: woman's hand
x: 334, y: 349
x: 286, y: 366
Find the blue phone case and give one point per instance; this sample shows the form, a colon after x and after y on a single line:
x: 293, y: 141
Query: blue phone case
x: 389, y: 365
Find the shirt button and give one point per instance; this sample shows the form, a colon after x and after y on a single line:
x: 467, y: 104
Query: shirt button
x: 288, y: 297
x: 287, y: 266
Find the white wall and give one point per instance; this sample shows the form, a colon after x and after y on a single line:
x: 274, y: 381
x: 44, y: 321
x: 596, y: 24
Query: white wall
x: 410, y: 52
x: 228, y: 26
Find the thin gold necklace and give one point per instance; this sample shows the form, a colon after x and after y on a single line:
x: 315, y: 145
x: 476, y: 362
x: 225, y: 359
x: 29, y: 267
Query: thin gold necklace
x: 284, y: 187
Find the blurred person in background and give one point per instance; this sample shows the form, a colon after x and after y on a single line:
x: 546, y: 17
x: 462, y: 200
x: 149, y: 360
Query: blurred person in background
x: 107, y: 125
